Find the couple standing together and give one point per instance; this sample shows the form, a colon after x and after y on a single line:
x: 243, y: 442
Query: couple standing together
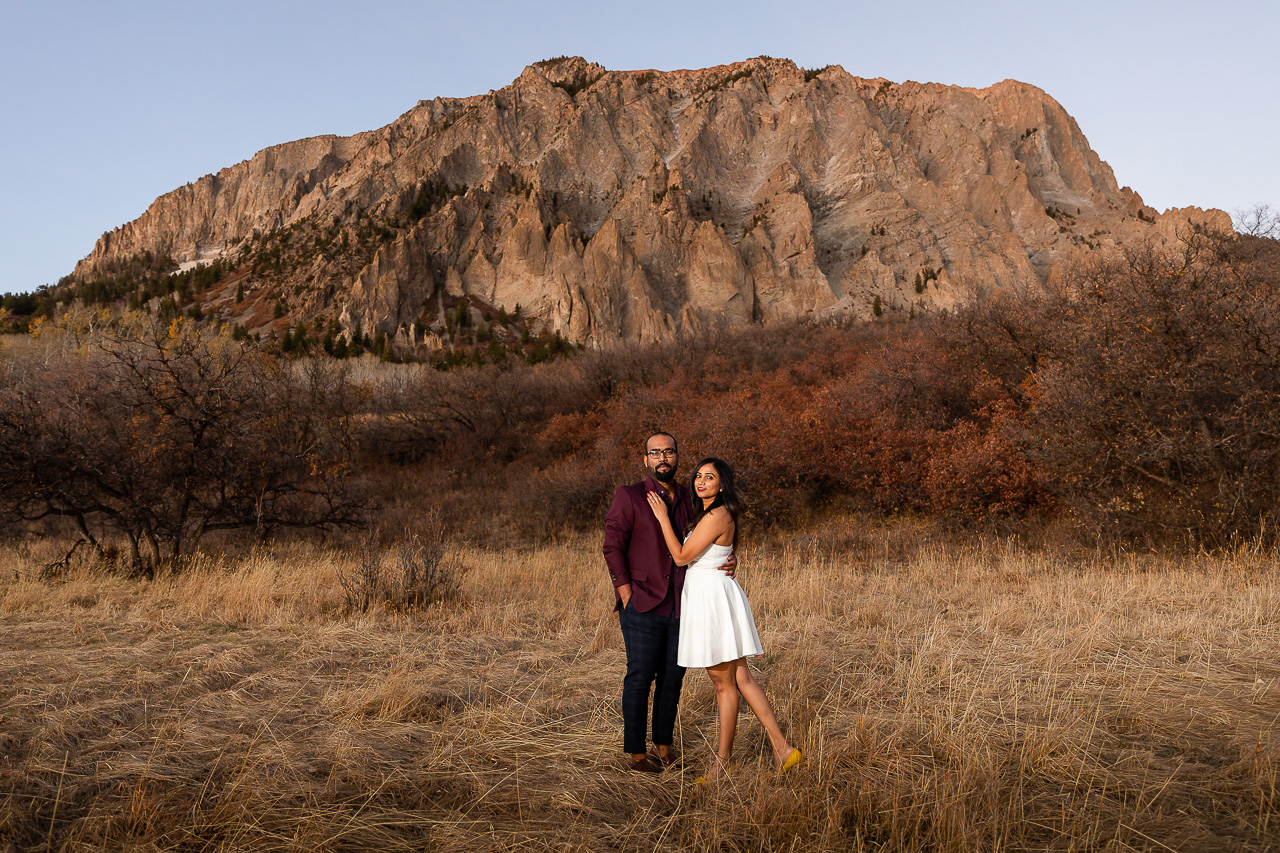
x: 679, y: 606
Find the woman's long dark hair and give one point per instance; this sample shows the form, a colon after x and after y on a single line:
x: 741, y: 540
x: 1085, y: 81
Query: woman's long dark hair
x: 728, y: 497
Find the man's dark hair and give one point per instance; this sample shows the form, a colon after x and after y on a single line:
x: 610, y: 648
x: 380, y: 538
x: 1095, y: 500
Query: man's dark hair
x: 674, y: 443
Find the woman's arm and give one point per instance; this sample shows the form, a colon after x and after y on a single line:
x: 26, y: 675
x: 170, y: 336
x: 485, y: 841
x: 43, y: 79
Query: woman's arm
x: 712, y: 526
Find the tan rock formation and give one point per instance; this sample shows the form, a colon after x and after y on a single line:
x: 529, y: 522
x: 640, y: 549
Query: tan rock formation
x: 635, y: 204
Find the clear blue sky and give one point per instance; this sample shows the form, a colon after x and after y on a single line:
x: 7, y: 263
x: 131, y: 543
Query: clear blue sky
x: 107, y: 105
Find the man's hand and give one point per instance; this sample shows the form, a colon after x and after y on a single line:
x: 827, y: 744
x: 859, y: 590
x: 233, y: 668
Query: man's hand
x: 624, y: 592
x: 730, y: 566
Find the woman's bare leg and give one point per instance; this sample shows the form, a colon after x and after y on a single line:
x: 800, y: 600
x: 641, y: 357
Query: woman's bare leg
x: 724, y: 680
x: 759, y: 704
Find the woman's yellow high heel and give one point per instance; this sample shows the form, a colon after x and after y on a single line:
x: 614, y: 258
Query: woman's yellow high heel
x: 794, y: 760
x: 726, y: 769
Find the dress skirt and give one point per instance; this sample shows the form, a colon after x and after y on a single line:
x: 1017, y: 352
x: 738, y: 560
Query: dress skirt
x: 716, y: 624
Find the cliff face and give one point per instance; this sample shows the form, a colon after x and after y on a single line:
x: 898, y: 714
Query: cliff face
x: 196, y: 221
x: 637, y: 204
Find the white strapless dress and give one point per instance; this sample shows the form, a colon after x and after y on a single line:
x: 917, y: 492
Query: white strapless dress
x: 716, y: 624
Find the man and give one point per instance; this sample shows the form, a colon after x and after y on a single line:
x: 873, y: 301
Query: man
x: 647, y: 586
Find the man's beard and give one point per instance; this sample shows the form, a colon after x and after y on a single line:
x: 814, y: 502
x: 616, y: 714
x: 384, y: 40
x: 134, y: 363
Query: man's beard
x: 665, y: 476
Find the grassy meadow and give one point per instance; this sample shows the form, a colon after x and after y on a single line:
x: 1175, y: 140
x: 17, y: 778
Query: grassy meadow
x: 950, y: 695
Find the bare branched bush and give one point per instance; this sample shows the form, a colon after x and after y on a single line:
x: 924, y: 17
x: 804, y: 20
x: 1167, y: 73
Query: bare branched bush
x: 363, y: 585
x: 417, y: 572
x: 481, y: 412
x: 1258, y: 221
x: 163, y: 433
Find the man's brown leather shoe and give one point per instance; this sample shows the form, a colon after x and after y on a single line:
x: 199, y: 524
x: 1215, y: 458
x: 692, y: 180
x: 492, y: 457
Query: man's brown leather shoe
x: 644, y: 764
x: 669, y: 760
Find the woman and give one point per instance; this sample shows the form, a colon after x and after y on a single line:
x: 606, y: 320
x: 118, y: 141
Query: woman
x: 717, y: 630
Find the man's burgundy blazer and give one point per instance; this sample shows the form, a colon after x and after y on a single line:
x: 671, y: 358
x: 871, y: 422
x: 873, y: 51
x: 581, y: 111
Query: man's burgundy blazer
x: 635, y: 549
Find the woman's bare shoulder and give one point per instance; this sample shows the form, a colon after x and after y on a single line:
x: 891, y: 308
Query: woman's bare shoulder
x: 724, y: 525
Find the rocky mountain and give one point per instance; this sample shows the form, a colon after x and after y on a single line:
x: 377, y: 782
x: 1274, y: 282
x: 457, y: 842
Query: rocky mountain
x: 635, y: 204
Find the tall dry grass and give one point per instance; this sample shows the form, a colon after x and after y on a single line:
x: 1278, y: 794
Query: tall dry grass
x: 979, y: 696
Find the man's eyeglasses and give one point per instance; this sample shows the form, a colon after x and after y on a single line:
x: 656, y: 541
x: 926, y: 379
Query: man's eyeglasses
x: 667, y: 453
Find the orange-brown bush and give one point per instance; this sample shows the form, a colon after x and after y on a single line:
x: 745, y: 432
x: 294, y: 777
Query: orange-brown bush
x: 1151, y: 388
x: 882, y: 418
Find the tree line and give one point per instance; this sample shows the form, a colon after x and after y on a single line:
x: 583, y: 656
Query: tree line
x: 1138, y: 396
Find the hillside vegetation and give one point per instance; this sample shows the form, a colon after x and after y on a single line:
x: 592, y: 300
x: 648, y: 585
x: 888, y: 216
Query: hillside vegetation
x: 1138, y: 401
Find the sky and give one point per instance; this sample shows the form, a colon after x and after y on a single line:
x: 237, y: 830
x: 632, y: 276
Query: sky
x: 107, y: 106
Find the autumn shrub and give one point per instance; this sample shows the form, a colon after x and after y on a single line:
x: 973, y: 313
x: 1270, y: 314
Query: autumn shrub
x: 1156, y: 402
x: 1149, y: 386
x: 913, y: 428
x: 470, y: 414
x: 854, y: 416
x: 161, y: 434
x: 715, y: 400
x: 550, y: 442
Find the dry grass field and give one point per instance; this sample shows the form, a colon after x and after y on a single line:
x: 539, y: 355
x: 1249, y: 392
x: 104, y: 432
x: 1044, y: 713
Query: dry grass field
x: 949, y: 697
